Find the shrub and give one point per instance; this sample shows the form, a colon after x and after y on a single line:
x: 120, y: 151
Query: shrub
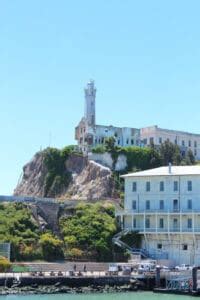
x: 4, y: 264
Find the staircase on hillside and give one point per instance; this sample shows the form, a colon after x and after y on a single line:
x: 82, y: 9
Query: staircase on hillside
x: 132, y: 250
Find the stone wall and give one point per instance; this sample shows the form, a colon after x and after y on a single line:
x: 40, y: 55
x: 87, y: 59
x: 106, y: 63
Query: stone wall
x: 106, y: 160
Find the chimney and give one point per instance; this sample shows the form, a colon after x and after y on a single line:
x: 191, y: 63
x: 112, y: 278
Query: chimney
x: 170, y: 168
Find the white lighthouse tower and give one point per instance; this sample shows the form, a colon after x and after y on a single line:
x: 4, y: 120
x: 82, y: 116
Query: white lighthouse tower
x: 90, y: 97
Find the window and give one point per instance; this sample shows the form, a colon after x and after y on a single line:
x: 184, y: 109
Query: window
x: 147, y: 205
x: 189, y: 144
x: 148, y: 186
x: 134, y: 187
x: 162, y: 206
x: 161, y: 223
x: 147, y: 223
x: 151, y: 141
x: 145, y: 141
x: 159, y: 246
x: 132, y: 142
x: 134, y: 223
x: 134, y: 205
x: 175, y: 223
x: 195, y: 152
x: 175, y: 186
x: 127, y: 141
x: 195, y: 144
x: 160, y: 140
x: 189, y: 204
x: 189, y: 223
x: 189, y: 186
x: 183, y: 143
x: 185, y: 247
x: 175, y: 142
x: 175, y: 205
x: 162, y: 186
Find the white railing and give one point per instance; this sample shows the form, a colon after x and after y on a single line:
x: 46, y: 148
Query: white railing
x: 156, y: 211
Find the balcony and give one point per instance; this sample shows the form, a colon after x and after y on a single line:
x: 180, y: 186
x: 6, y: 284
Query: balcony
x: 170, y: 230
x: 157, y: 212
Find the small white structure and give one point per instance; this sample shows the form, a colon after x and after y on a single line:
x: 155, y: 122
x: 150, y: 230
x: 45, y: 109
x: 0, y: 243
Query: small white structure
x: 163, y: 205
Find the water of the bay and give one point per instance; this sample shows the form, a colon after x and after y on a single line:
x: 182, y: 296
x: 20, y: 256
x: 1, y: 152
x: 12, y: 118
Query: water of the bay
x: 119, y: 296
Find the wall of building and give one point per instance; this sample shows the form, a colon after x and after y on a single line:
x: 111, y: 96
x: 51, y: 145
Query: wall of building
x: 178, y: 241
x: 184, y: 140
x: 168, y: 195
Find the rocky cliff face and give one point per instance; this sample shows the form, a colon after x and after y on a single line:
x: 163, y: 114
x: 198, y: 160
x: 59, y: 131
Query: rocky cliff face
x: 89, y: 180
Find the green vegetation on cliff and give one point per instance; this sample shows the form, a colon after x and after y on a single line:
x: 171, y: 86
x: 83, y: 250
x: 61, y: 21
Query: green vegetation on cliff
x: 147, y: 157
x: 89, y: 232
x: 57, y: 178
x: 17, y: 226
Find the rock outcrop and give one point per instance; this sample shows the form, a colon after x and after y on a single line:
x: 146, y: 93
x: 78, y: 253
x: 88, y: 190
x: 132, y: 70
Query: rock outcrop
x: 32, y: 183
x: 89, y: 180
x: 93, y: 182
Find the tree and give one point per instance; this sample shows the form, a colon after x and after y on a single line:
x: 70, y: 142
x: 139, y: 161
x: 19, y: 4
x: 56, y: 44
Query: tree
x: 170, y: 153
x: 110, y: 144
x: 4, y: 264
x: 190, y: 158
x: 51, y: 247
x: 90, y: 230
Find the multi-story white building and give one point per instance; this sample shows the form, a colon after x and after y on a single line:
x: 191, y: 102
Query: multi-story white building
x: 163, y: 205
x: 89, y: 135
x: 185, y: 140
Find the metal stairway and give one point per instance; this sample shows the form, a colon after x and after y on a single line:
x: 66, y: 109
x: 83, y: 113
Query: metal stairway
x: 132, y: 250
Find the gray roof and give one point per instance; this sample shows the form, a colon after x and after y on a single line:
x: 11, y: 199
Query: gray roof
x: 165, y: 171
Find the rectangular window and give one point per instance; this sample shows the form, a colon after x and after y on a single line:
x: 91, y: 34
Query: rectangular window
x: 148, y: 186
x: 175, y: 186
x: 159, y: 246
x: 189, y: 223
x: 189, y: 186
x: 147, y: 205
x: 195, y: 144
x: 134, y: 223
x: 132, y: 142
x: 175, y: 205
x: 151, y: 141
x: 160, y: 140
x: 189, y: 144
x: 183, y: 143
x: 134, y: 187
x: 147, y: 223
x: 161, y: 223
x: 162, y: 206
x: 175, y: 224
x: 162, y: 186
x: 134, y: 205
x: 185, y: 247
x: 175, y: 142
x: 189, y: 206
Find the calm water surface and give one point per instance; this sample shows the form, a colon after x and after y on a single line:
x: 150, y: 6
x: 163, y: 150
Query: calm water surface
x: 127, y: 296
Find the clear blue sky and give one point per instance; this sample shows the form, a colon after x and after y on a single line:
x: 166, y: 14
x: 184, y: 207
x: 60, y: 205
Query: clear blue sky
x: 144, y: 56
